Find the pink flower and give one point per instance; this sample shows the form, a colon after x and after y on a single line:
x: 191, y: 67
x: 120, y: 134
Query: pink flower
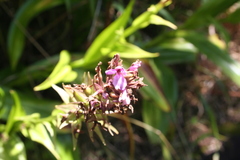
x: 119, y: 80
x: 134, y: 67
x: 124, y: 98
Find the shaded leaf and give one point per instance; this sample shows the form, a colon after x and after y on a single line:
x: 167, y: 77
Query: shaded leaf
x: 64, y: 148
x: 17, y: 32
x: 175, y: 50
x: 153, y: 90
x: 208, y: 10
x: 233, y: 17
x: 221, y: 58
x: 152, y: 114
x: 168, y: 82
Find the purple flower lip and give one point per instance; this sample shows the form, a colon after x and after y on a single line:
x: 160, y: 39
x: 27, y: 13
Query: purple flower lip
x: 119, y: 81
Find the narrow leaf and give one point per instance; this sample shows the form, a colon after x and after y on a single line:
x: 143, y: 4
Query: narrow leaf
x: 62, y: 93
x: 17, y: 32
x: 105, y: 39
x: 157, y: 20
x: 210, y: 9
x: 16, y: 112
x: 154, y: 90
x: 144, y: 19
x: 61, y: 73
x: 221, y: 58
x: 128, y: 50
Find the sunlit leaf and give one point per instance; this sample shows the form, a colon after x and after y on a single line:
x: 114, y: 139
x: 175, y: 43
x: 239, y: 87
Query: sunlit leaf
x: 16, y: 112
x: 12, y: 148
x: 61, y: 73
x: 128, y: 50
x: 105, y: 39
x: 146, y: 18
x: 62, y: 93
x: 38, y: 133
x: 157, y: 20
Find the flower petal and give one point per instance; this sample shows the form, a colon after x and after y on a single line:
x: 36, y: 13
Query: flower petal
x: 135, y: 66
x: 119, y: 82
x: 110, y: 71
x: 124, y: 98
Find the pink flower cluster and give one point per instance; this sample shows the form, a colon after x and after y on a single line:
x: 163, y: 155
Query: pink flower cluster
x: 93, y: 100
x: 119, y: 81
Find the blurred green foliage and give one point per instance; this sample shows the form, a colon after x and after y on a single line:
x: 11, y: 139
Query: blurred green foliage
x: 52, y: 42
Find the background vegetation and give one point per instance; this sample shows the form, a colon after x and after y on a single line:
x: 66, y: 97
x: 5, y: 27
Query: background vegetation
x: 190, y: 50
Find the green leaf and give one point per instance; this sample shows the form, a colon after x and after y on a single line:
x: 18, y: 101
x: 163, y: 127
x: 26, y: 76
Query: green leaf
x: 105, y: 39
x: 30, y: 104
x: 148, y: 17
x: 168, y: 82
x: 175, y: 50
x: 12, y: 148
x: 128, y: 50
x: 173, y: 56
x: 38, y: 133
x: 34, y: 71
x: 17, y: 31
x: 233, y: 17
x: 99, y: 133
x: 221, y: 58
x: 61, y: 73
x: 2, y: 102
x: 62, y: 93
x: 154, y: 89
x: 16, y: 112
x: 210, y: 9
x: 76, y: 125
x: 152, y: 114
x: 157, y: 20
x: 64, y: 148
x: 212, y: 117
